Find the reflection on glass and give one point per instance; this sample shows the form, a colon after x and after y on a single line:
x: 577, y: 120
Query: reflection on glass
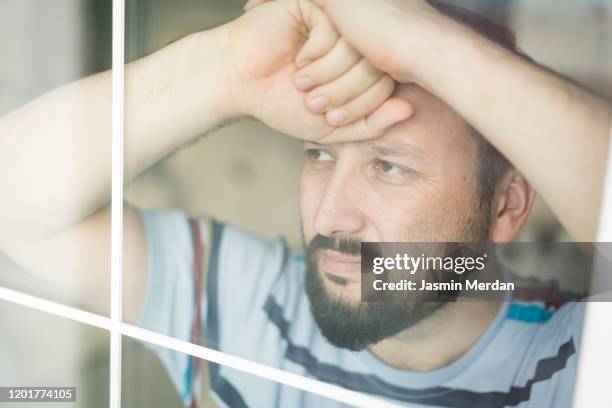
x: 41, y: 350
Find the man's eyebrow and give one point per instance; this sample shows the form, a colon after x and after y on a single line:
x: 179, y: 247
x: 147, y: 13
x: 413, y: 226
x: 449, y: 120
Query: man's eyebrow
x: 390, y: 149
x: 398, y: 149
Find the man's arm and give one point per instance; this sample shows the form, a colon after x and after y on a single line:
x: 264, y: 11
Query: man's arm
x: 54, y: 209
x: 554, y: 132
x: 54, y: 213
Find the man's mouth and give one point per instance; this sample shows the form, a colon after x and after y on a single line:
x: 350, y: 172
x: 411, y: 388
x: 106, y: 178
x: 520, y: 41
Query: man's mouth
x: 340, y: 264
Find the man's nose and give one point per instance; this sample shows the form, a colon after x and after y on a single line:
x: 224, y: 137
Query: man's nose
x: 339, y: 212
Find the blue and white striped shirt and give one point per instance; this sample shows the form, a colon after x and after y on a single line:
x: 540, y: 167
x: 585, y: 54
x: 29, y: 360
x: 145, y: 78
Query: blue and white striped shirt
x: 256, y: 308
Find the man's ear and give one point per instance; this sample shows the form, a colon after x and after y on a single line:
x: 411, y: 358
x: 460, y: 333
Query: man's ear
x: 511, y: 205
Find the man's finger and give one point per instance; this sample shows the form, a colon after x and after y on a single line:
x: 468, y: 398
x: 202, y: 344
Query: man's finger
x: 328, y: 68
x: 322, y: 34
x: 393, y: 111
x: 346, y: 88
x: 364, y: 104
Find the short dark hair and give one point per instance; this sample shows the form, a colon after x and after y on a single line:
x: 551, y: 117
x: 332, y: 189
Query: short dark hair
x: 491, y: 165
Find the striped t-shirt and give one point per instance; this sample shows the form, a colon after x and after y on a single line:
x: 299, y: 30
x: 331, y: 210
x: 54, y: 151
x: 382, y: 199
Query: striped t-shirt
x: 255, y: 307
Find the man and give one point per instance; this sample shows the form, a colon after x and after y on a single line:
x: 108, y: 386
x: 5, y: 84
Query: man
x: 376, y: 177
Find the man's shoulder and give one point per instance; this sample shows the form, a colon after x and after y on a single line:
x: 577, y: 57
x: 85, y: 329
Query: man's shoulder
x: 237, y: 243
x: 246, y: 252
x: 545, y: 320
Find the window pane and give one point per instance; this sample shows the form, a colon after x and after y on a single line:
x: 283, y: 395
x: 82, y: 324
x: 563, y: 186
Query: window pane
x: 55, y: 141
x: 146, y: 383
x: 203, y: 261
x: 41, y: 350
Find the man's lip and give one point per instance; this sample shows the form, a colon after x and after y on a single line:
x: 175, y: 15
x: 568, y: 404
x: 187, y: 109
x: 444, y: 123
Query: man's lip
x: 341, y: 257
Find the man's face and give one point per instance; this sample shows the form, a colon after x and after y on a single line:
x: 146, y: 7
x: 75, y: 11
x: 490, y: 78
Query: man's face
x: 416, y: 183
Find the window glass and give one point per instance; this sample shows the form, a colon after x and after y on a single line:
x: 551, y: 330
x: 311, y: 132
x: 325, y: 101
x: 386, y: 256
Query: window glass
x: 41, y: 350
x: 55, y: 143
x: 147, y: 383
x: 227, y: 217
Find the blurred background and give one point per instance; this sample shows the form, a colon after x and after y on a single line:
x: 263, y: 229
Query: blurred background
x: 244, y: 174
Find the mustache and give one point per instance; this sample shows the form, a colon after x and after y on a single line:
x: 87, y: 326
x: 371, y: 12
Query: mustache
x: 345, y: 245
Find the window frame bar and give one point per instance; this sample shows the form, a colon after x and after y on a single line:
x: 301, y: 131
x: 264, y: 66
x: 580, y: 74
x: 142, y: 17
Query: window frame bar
x: 116, y: 292
x: 595, y: 354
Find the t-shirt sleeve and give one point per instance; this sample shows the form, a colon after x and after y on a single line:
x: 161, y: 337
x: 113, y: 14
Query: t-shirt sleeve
x: 169, y: 302
x: 242, y: 269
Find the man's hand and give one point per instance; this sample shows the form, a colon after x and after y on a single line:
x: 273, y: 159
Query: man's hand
x: 395, y: 36
x: 261, y: 48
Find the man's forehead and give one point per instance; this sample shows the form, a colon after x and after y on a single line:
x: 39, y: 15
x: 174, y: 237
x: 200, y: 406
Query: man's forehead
x: 428, y: 109
x: 433, y: 131
x: 398, y: 147
x: 432, y: 127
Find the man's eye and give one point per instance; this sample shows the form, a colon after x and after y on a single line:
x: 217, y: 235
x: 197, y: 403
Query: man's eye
x: 390, y: 168
x: 318, y: 155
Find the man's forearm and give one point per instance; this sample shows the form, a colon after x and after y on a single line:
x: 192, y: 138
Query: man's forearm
x: 58, y: 147
x: 553, y: 131
x: 174, y: 96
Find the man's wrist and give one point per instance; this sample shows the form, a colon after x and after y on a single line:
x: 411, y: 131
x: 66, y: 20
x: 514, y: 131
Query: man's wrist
x: 180, y: 92
x: 215, y: 74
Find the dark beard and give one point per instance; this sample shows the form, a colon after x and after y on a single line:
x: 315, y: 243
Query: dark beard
x: 356, y: 326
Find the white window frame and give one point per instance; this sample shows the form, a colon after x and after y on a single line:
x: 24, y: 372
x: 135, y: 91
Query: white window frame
x: 592, y: 388
x: 116, y: 292
x: 595, y: 356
